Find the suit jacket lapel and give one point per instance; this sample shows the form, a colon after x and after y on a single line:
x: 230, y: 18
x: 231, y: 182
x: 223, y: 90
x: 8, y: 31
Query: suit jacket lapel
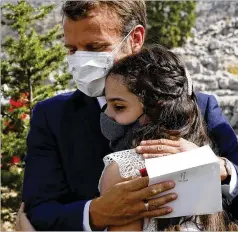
x: 83, y: 145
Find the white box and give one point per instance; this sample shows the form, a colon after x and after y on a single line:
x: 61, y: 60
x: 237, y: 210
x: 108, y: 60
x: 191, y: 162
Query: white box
x: 196, y: 174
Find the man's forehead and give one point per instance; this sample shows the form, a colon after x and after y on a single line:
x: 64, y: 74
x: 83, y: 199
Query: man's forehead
x: 99, y: 26
x: 91, y: 35
x: 96, y: 27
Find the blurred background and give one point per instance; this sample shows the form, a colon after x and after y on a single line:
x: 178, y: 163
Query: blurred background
x: 33, y: 67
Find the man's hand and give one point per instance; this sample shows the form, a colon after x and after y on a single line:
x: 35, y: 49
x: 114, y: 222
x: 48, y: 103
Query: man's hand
x: 124, y: 203
x: 163, y: 147
x: 223, y: 171
x: 22, y: 222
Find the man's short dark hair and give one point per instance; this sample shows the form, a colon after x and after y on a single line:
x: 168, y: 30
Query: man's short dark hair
x: 131, y: 13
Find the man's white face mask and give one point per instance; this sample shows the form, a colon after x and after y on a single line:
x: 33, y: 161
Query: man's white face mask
x: 89, y: 69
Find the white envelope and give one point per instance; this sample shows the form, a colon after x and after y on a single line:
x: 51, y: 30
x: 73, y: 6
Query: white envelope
x: 196, y: 174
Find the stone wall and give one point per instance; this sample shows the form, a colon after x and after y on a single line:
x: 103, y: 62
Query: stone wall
x: 212, y: 52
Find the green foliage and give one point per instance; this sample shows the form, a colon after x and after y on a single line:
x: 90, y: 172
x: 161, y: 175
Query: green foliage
x: 170, y: 22
x: 30, y: 58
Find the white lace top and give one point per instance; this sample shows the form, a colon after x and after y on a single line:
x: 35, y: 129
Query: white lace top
x: 129, y: 162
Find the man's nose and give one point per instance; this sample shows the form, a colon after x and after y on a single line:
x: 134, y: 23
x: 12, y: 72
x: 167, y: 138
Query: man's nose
x: 81, y: 48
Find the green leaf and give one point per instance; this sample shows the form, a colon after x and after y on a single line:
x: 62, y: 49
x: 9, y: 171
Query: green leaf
x: 170, y: 22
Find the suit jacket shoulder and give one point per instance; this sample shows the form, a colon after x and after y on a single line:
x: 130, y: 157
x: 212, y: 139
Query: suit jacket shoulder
x: 55, y: 103
x: 218, y: 127
x: 202, y: 101
x: 54, y: 108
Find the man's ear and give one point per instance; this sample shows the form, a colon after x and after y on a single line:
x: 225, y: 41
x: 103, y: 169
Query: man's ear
x: 138, y: 38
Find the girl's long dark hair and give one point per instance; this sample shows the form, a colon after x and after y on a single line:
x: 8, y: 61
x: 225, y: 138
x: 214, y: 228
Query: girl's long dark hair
x: 158, y: 77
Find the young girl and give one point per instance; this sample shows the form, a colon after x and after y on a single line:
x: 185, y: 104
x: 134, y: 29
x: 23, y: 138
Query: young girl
x: 149, y: 96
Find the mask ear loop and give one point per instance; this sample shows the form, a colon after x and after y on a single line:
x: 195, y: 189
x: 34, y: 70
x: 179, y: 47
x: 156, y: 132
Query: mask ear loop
x: 190, y: 84
x: 113, y: 51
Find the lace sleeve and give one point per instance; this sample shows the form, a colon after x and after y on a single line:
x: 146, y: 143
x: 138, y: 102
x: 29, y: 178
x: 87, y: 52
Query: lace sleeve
x: 128, y: 162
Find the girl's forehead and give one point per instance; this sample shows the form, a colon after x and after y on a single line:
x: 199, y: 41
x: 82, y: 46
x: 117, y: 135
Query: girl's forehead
x: 114, y: 84
x: 115, y: 88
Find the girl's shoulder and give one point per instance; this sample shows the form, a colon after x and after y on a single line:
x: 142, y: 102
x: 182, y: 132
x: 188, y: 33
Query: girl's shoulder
x: 119, y: 165
x: 128, y: 161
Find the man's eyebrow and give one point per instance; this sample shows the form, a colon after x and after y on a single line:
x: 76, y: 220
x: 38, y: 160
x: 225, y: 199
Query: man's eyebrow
x: 94, y: 43
x: 98, y: 43
x: 69, y: 46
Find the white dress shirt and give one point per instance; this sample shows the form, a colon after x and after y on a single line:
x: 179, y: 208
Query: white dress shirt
x: 230, y: 191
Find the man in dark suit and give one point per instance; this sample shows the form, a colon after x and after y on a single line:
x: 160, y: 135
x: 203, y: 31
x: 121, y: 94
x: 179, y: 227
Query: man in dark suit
x: 65, y: 144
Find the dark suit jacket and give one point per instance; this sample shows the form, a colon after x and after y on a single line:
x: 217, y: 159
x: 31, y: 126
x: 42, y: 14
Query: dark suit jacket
x: 65, y: 151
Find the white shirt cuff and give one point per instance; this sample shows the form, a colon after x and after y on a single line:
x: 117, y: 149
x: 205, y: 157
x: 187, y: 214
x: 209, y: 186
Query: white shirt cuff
x: 231, y: 190
x: 86, y: 225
